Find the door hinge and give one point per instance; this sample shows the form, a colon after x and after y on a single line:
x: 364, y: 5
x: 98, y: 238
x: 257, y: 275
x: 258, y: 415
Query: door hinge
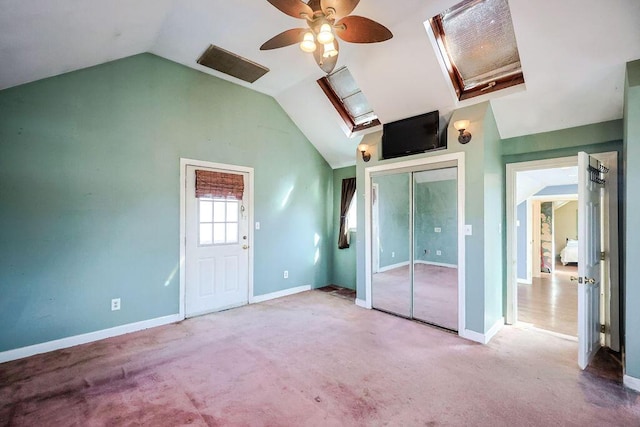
x: 602, y: 256
x: 603, y: 329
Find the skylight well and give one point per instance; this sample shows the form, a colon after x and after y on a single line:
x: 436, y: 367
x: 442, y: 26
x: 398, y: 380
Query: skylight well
x: 478, y: 47
x: 348, y: 100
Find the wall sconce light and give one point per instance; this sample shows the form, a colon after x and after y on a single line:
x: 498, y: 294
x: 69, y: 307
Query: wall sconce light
x: 461, y: 126
x: 363, y: 149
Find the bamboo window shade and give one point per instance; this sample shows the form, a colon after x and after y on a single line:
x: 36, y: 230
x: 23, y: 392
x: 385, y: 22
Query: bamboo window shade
x: 219, y: 184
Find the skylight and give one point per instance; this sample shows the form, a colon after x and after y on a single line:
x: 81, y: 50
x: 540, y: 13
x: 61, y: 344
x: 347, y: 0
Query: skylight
x: 478, y: 46
x: 348, y: 100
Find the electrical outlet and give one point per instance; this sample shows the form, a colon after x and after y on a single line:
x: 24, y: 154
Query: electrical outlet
x: 115, y: 304
x: 286, y: 274
x: 437, y: 230
x: 393, y: 254
x: 438, y: 252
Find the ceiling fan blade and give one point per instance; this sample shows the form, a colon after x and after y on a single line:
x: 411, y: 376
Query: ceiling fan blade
x: 295, y: 8
x: 357, y: 29
x: 285, y: 38
x: 341, y: 7
x: 326, y: 64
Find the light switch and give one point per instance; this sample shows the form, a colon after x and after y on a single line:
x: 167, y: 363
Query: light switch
x: 468, y: 230
x: 257, y: 225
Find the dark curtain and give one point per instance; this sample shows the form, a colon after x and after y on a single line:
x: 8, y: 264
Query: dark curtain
x: 348, y: 190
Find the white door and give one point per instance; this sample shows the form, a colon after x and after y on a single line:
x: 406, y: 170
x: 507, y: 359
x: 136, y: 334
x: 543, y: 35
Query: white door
x: 217, y: 256
x: 589, y: 215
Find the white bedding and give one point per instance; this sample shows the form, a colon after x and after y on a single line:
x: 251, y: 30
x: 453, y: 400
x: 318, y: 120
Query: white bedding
x: 570, y: 252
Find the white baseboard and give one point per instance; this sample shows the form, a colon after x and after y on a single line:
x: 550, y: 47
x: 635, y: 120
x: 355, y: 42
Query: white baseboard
x: 494, y: 329
x: 632, y: 382
x: 438, y: 264
x: 392, y: 266
x: 279, y: 294
x: 46, y: 347
x: 483, y: 338
x: 472, y: 336
x: 362, y: 303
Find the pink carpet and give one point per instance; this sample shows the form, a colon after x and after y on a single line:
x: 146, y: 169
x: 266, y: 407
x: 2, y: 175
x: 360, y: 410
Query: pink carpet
x: 312, y: 359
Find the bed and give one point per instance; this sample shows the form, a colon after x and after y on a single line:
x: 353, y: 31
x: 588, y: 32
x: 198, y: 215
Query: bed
x: 570, y: 252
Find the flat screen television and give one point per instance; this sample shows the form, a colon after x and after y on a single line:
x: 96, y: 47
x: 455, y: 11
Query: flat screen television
x: 412, y: 135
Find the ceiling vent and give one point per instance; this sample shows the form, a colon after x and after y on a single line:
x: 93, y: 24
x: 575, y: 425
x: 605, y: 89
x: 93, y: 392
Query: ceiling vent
x: 229, y: 63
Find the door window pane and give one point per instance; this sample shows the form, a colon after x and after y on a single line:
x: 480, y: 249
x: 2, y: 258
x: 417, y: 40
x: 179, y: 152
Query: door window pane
x: 206, y: 211
x: 206, y: 231
x: 219, y: 208
x: 232, y: 211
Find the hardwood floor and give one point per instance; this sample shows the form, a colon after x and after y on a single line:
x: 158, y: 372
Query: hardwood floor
x: 551, y: 302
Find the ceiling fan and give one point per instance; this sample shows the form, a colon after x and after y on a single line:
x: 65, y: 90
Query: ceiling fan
x: 320, y: 36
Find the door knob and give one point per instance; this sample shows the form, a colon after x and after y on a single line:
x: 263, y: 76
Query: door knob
x: 589, y: 280
x: 574, y: 279
x: 245, y: 247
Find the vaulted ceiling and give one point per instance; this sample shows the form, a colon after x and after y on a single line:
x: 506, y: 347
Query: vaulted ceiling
x: 573, y: 54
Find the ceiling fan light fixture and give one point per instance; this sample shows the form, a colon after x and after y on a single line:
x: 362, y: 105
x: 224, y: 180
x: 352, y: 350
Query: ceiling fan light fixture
x: 308, y: 43
x: 325, y: 35
x: 329, y: 50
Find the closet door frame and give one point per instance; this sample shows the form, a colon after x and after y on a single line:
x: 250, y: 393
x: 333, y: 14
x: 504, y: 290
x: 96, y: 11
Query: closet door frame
x: 429, y: 163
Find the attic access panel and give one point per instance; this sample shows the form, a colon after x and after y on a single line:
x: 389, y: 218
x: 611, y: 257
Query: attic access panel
x: 234, y: 65
x: 478, y: 45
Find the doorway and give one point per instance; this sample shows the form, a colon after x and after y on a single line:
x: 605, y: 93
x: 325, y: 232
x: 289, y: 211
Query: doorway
x: 414, y: 222
x: 594, y: 308
x: 216, y: 250
x: 547, y: 242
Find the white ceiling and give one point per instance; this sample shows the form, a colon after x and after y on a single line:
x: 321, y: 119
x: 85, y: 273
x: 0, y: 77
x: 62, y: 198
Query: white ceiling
x: 573, y: 54
x: 530, y: 182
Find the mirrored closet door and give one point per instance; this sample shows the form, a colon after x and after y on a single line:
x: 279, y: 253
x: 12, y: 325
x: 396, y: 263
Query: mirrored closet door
x: 415, y: 245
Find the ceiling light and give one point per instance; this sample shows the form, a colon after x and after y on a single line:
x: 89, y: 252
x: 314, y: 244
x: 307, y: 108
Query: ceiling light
x: 308, y: 44
x: 461, y: 126
x: 325, y: 35
x: 330, y: 50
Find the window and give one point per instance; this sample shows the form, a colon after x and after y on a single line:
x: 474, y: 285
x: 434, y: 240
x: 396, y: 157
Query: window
x: 352, y: 214
x: 218, y: 220
x: 348, y: 100
x: 478, y: 47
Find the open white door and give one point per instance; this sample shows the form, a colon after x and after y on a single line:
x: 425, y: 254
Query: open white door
x: 590, y: 187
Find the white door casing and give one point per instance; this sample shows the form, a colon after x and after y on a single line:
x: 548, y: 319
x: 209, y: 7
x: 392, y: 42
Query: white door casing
x: 216, y: 274
x: 589, y: 242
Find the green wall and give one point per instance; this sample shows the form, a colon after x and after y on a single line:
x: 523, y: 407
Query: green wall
x: 494, y: 214
x: 89, y: 193
x: 436, y: 205
x: 343, y: 268
x: 631, y: 270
